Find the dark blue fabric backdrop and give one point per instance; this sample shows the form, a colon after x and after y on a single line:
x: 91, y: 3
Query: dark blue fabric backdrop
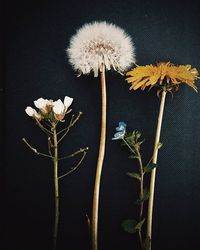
x: 36, y: 36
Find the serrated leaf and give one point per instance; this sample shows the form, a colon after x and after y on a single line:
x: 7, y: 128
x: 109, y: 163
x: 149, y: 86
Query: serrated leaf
x: 148, y: 168
x: 129, y: 226
x: 139, y: 225
x: 134, y: 175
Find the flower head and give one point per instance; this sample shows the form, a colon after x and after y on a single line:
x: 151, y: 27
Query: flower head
x: 50, y: 110
x: 121, y: 131
x: 165, y: 75
x: 100, y: 43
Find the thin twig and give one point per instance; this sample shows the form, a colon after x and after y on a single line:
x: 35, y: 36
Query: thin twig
x: 48, y: 132
x: 74, y: 168
x: 35, y: 150
x: 128, y: 145
x: 72, y: 123
x: 67, y: 128
x: 81, y: 150
x: 50, y: 145
x: 139, y: 157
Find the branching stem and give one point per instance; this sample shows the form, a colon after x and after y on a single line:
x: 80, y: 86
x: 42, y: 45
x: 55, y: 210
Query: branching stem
x: 74, y: 168
x: 35, y: 150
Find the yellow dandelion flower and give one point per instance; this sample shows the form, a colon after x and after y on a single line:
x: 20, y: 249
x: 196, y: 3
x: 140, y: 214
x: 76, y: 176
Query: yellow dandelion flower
x: 167, y: 76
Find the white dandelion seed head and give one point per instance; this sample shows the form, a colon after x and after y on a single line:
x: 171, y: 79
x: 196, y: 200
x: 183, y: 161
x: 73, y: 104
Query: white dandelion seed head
x: 100, y: 43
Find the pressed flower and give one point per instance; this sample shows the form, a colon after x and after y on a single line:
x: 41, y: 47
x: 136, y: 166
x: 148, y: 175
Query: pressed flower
x: 58, y: 107
x: 50, y: 110
x: 67, y: 102
x: 32, y: 112
x: 100, y: 43
x: 97, y: 47
x: 41, y: 103
x: 165, y: 75
x: 50, y: 114
x: 121, y: 131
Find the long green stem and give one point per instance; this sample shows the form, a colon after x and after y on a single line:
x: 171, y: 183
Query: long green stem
x: 153, y: 172
x: 99, y: 164
x: 137, y: 152
x: 141, y: 193
x: 56, y: 188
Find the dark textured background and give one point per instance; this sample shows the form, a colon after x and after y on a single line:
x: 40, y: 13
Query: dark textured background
x: 36, y: 35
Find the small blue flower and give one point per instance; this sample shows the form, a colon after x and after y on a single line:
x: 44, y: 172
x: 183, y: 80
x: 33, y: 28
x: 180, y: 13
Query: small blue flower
x: 121, y: 130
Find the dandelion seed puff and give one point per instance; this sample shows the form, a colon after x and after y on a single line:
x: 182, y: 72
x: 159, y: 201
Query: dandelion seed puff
x: 100, y: 43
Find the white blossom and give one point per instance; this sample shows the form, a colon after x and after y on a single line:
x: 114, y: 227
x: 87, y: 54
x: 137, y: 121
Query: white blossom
x: 58, y: 107
x: 41, y: 103
x: 100, y: 43
x: 67, y: 102
x: 32, y: 112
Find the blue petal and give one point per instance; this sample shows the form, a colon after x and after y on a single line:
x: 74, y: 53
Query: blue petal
x: 118, y: 135
x: 122, y: 124
x: 120, y: 128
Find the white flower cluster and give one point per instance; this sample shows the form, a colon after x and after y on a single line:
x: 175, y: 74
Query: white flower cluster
x: 45, y: 106
x: 101, y: 43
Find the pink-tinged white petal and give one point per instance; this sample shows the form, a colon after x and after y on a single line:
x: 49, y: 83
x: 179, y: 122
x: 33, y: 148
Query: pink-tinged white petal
x: 32, y: 112
x: 58, y: 107
x: 41, y: 103
x: 67, y: 102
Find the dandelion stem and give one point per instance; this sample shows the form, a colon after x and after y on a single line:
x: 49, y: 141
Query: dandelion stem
x: 99, y: 164
x: 56, y: 188
x: 153, y: 172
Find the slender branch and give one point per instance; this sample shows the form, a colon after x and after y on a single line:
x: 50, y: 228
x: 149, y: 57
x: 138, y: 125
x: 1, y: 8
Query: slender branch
x: 139, y: 157
x: 100, y: 160
x: 72, y: 123
x: 74, y: 168
x: 67, y: 128
x: 35, y: 150
x: 81, y: 150
x: 50, y: 145
x: 153, y: 172
x: 141, y: 192
x: 48, y: 132
x: 128, y: 145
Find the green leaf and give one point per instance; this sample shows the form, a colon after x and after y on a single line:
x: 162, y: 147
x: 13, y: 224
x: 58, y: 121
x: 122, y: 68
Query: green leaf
x: 148, y: 168
x: 139, y: 225
x: 160, y: 145
x: 134, y: 175
x: 129, y: 226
